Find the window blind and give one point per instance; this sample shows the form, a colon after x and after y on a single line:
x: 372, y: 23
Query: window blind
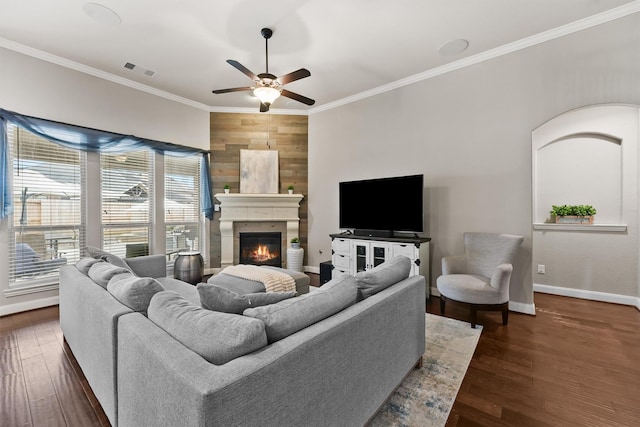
x: 127, y: 202
x: 182, y: 203
x: 47, y: 229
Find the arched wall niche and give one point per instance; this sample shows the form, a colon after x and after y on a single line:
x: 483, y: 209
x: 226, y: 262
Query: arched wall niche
x: 580, y: 169
x: 588, y: 156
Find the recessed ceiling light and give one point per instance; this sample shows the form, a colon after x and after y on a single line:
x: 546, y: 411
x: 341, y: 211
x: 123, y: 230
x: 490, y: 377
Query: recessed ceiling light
x: 101, y: 13
x: 453, y: 47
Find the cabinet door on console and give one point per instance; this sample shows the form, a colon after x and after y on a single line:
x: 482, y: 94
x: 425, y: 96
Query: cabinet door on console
x: 369, y: 254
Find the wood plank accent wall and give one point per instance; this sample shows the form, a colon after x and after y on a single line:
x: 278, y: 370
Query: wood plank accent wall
x: 232, y: 132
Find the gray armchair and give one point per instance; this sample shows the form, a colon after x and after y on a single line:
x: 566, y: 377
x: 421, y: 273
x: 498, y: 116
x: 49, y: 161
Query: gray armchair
x: 480, y: 278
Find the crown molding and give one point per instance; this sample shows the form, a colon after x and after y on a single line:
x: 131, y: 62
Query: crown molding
x: 254, y: 110
x: 35, y: 53
x: 508, y: 48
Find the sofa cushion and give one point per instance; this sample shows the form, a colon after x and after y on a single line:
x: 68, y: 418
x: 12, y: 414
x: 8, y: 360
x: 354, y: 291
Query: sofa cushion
x: 217, y: 337
x: 106, y: 256
x: 372, y: 281
x: 217, y: 298
x: 133, y: 291
x: 184, y: 289
x: 102, y: 272
x: 84, y: 264
x: 289, y: 316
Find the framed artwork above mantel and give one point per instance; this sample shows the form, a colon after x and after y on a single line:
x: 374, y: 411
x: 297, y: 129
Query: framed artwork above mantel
x: 259, y: 171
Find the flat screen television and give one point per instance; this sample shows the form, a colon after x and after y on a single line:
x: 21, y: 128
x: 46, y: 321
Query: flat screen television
x: 380, y: 207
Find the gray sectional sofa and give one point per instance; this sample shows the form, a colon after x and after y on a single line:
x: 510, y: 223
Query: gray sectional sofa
x: 329, y: 357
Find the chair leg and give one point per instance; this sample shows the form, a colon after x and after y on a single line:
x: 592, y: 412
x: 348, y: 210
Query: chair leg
x: 442, y: 303
x: 505, y: 315
x: 474, y: 316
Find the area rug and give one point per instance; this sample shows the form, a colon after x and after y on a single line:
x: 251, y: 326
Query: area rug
x: 426, y: 396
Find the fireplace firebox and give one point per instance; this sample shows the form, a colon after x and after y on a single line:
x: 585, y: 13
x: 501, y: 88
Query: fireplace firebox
x: 261, y: 248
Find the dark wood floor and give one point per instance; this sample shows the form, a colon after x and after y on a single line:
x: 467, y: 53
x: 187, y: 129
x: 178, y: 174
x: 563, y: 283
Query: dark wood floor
x: 576, y: 363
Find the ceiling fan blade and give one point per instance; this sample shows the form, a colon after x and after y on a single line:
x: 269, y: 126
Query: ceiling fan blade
x: 233, y: 89
x: 297, y: 97
x: 264, y: 108
x: 292, y: 77
x: 244, y: 69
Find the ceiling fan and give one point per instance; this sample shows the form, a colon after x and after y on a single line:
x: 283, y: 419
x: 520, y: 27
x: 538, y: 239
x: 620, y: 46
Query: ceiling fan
x: 268, y: 87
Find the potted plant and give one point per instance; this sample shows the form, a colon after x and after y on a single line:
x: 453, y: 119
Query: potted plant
x: 295, y: 242
x: 226, y: 188
x: 290, y: 189
x: 573, y: 214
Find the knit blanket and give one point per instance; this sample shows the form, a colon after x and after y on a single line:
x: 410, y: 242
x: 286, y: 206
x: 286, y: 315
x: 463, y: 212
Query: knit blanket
x: 273, y: 280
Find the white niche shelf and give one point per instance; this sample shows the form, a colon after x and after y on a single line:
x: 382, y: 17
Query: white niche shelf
x: 614, y: 228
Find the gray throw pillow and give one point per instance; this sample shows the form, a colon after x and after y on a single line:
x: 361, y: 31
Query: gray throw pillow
x: 84, y: 264
x: 134, y: 292
x: 289, y: 316
x: 372, y: 281
x: 102, y: 272
x: 217, y: 337
x: 217, y: 298
x: 106, y: 256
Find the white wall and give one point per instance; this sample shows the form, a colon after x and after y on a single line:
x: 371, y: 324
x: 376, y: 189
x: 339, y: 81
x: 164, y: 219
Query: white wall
x: 37, y: 88
x: 469, y: 133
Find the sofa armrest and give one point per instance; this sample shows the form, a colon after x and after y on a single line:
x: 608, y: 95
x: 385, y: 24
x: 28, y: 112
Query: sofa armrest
x: 148, y: 266
x: 88, y: 319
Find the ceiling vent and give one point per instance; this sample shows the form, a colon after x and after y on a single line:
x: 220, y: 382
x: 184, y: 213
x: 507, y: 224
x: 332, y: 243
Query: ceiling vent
x: 138, y: 69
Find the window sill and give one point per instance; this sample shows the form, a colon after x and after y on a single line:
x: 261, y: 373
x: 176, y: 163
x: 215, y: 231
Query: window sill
x: 18, y: 290
x: 613, y: 228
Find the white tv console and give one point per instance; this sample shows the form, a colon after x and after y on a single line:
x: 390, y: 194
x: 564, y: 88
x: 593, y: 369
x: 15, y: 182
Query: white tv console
x: 352, y: 253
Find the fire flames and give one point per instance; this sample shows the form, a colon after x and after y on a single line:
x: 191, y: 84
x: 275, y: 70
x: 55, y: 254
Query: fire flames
x: 262, y: 253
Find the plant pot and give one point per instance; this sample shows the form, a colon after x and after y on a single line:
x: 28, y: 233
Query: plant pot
x: 290, y: 191
x: 226, y: 191
x: 295, y: 245
x: 572, y: 219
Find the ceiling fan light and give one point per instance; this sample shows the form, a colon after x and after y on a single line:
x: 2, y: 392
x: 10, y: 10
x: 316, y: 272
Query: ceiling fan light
x: 266, y: 94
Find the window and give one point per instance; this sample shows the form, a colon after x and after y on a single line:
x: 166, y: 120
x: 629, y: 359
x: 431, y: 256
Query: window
x: 181, y: 203
x: 127, y: 202
x: 47, y: 230
x: 64, y: 187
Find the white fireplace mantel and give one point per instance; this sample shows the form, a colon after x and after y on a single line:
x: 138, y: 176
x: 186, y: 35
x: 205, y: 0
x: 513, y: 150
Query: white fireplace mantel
x: 240, y: 207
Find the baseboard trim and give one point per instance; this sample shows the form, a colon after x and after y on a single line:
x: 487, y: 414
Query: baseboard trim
x: 520, y: 307
x: 19, y: 307
x: 589, y: 295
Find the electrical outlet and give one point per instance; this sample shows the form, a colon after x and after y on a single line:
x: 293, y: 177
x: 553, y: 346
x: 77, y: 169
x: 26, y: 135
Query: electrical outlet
x: 541, y: 269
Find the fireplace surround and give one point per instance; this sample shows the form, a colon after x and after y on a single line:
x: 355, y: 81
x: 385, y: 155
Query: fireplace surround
x: 265, y: 210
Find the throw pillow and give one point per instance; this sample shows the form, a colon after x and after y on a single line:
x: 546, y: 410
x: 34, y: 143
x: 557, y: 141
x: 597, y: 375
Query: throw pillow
x: 289, y: 316
x: 106, y: 256
x: 217, y: 298
x: 84, y: 264
x: 372, y: 281
x: 102, y: 272
x: 217, y: 337
x: 134, y: 292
